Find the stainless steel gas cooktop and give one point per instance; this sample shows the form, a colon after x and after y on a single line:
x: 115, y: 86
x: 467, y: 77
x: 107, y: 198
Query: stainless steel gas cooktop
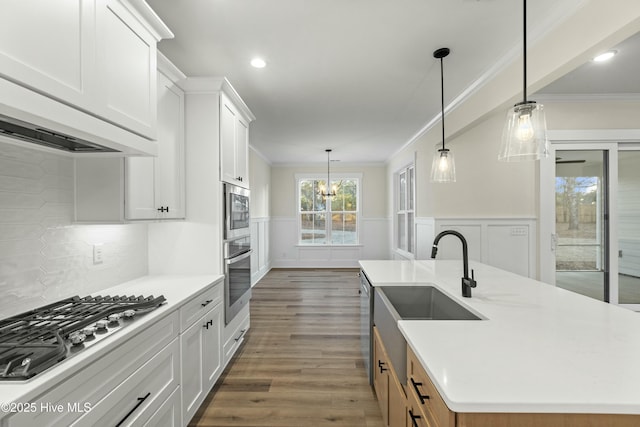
x: 36, y: 340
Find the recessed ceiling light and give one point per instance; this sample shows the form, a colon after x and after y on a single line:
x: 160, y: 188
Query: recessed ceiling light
x: 605, y: 56
x: 258, y: 63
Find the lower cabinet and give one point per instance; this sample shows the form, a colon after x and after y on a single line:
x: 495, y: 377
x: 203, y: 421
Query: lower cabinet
x: 390, y: 393
x: 128, y: 384
x: 142, y: 394
x: 234, y: 334
x: 169, y: 414
x: 427, y: 402
x: 201, y: 350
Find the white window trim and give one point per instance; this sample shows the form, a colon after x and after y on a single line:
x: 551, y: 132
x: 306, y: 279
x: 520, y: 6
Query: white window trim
x: 396, y: 209
x: 334, y: 175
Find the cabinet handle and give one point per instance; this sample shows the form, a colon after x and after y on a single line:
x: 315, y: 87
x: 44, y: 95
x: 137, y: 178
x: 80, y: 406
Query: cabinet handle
x: 163, y: 209
x: 380, y: 365
x: 422, y: 397
x: 209, y: 323
x: 140, y: 401
x: 239, y: 178
x: 207, y: 302
x: 241, y: 334
x: 414, y: 423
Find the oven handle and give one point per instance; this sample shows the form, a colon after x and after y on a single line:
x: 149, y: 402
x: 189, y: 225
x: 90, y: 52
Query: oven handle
x: 239, y: 257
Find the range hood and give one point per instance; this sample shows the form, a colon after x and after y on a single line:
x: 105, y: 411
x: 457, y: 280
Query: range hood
x: 23, y: 131
x: 31, y: 118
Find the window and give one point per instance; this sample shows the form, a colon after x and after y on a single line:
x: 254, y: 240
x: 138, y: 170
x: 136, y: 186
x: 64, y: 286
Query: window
x: 330, y: 220
x: 405, y: 205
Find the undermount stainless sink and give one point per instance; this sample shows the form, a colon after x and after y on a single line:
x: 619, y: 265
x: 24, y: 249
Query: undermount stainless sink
x: 422, y: 303
x: 393, y: 303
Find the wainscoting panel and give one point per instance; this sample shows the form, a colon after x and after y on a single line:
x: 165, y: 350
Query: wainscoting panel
x: 425, y: 232
x: 506, y: 243
x: 260, y: 261
x: 287, y: 253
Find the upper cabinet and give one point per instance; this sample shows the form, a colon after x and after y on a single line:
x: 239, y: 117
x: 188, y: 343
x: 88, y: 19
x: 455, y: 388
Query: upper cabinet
x: 96, y: 56
x: 234, y: 144
x: 140, y: 188
x: 126, y: 59
x: 155, y: 186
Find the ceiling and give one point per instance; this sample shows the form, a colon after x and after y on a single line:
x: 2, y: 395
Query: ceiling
x: 615, y: 77
x: 357, y: 76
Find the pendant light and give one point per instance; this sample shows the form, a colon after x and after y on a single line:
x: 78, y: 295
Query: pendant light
x: 525, y: 132
x: 328, y: 191
x: 443, y: 167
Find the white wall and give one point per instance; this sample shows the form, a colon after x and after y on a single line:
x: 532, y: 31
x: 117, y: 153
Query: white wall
x: 194, y: 246
x: 374, y: 222
x: 487, y: 189
x: 43, y: 256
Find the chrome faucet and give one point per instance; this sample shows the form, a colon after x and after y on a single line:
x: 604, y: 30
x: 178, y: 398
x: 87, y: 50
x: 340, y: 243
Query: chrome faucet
x: 467, y: 282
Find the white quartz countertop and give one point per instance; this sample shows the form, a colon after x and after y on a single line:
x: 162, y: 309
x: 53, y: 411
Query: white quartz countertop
x: 176, y: 289
x: 539, y: 349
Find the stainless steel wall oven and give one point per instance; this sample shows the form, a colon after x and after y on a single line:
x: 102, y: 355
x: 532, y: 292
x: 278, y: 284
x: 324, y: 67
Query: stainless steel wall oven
x: 237, y: 271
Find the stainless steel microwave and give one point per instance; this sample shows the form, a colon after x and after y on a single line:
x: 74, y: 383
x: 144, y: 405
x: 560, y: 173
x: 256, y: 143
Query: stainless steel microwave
x: 236, y: 212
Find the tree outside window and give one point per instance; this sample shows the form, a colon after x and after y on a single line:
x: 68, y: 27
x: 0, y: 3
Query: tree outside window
x: 328, y: 220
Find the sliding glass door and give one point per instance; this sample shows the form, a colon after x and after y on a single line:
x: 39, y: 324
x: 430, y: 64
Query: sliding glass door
x: 629, y: 226
x: 590, y: 220
x: 582, y: 229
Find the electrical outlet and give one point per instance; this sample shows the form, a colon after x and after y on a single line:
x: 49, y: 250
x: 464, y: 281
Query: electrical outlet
x: 518, y: 231
x: 97, y: 254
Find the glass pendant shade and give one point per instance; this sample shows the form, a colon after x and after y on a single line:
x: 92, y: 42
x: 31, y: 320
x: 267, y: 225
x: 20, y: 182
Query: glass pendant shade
x: 443, y: 168
x: 525, y: 134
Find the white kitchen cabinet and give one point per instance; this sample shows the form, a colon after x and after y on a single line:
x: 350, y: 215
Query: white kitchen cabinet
x: 111, y: 386
x: 201, y: 349
x: 234, y: 333
x: 96, y: 56
x: 169, y: 413
x: 51, y: 51
x: 234, y: 143
x: 155, y: 186
x: 140, y: 188
x: 137, y: 398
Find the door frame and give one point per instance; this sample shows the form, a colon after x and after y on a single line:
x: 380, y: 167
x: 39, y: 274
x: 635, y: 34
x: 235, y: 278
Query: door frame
x: 612, y: 140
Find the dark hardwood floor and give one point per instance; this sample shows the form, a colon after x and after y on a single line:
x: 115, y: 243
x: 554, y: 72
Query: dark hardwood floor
x: 300, y: 364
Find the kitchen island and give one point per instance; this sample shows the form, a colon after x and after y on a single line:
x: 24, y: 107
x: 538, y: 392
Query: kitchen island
x: 538, y: 350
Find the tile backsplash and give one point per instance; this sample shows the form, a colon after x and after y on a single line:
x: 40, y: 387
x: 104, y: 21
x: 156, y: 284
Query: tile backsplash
x: 44, y: 257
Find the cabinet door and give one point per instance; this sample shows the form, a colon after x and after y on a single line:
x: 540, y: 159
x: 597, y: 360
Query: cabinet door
x: 228, y: 119
x: 242, y: 152
x: 168, y: 415
x: 155, y: 185
x: 193, y: 388
x: 169, y: 173
x: 397, y: 403
x: 381, y: 376
x: 126, y: 58
x: 49, y: 47
x: 212, y: 353
x: 140, y: 193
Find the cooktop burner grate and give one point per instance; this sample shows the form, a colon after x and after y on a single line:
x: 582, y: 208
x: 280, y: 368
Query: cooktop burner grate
x: 33, y: 341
